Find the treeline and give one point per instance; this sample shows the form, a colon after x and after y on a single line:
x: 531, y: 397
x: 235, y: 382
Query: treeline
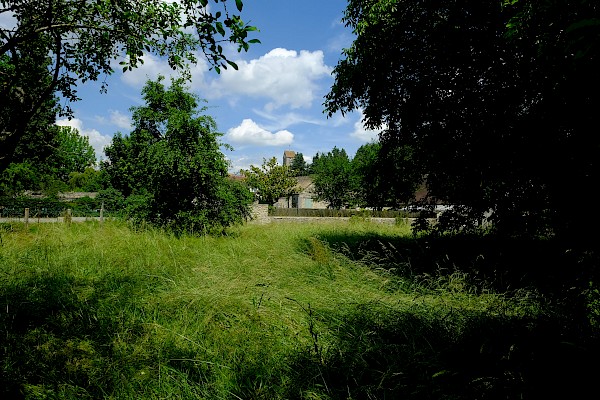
x: 11, y: 207
x: 65, y: 163
x: 168, y: 172
x: 374, y: 178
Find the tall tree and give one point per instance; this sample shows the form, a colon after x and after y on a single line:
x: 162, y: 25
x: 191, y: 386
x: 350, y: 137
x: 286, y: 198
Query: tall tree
x: 270, y: 181
x: 334, y: 180
x: 299, y: 167
x: 497, y: 118
x: 385, y: 177
x: 90, y: 180
x: 17, y: 178
x: 171, y: 169
x: 72, y: 153
x: 36, y: 130
x: 46, y: 161
x: 80, y: 40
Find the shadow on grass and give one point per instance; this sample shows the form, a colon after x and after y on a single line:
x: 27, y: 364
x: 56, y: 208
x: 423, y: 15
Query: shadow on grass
x: 501, y: 264
x: 419, y: 354
x: 427, y: 353
x: 69, y: 338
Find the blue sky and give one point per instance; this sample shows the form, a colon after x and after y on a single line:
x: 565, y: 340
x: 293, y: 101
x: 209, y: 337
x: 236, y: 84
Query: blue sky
x: 274, y: 102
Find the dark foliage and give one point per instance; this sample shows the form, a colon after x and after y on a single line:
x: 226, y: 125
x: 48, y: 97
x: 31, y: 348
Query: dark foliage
x: 496, y: 102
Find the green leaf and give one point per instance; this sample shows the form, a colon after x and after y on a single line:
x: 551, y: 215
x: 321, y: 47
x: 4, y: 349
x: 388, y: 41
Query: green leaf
x: 584, y: 23
x: 239, y: 4
x: 234, y: 65
x: 254, y: 41
x: 220, y: 29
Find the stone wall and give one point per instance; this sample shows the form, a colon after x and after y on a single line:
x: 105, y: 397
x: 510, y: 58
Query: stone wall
x: 260, y: 214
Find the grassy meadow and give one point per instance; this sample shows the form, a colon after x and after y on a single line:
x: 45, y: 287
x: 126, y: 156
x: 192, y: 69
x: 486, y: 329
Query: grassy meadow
x: 291, y: 311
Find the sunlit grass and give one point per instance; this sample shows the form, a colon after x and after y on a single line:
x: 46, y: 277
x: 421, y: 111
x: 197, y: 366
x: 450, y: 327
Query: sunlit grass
x: 268, y: 311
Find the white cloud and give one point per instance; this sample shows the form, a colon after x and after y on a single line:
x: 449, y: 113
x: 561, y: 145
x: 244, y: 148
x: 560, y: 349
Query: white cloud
x: 154, y: 66
x: 239, y: 163
x: 97, y: 140
x: 280, y: 121
x: 120, y: 120
x: 284, y: 76
x: 248, y: 132
x: 363, y: 134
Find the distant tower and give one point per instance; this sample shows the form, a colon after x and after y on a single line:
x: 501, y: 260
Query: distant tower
x: 288, y: 157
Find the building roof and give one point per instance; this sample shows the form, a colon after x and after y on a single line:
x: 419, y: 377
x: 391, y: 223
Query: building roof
x: 289, y: 153
x: 236, y: 177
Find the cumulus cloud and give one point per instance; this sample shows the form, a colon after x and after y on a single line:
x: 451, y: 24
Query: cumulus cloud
x: 97, y: 140
x: 248, y: 132
x: 237, y: 164
x: 287, y: 77
x: 120, y: 120
x: 154, y: 66
x: 363, y: 134
x: 284, y: 120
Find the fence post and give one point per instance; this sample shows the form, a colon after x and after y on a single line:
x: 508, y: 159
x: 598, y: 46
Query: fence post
x: 102, y: 213
x: 26, y: 217
x: 68, y: 216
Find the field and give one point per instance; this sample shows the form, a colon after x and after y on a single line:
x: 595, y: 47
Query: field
x: 291, y: 311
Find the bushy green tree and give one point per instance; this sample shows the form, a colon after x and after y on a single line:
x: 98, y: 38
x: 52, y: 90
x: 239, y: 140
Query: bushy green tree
x: 112, y: 199
x: 299, y: 166
x: 71, y: 153
x: 495, y: 101
x: 385, y: 177
x: 63, y: 156
x: 90, y: 180
x: 170, y: 168
x: 311, y: 165
x: 17, y: 178
x: 333, y: 179
x: 270, y: 181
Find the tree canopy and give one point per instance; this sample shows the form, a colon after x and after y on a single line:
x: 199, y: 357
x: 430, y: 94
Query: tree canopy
x: 299, y: 166
x: 270, y: 181
x: 385, y: 177
x: 47, y: 162
x: 170, y: 168
x: 334, y: 180
x: 54, y: 45
x: 25, y: 134
x: 72, y: 153
x: 494, y: 99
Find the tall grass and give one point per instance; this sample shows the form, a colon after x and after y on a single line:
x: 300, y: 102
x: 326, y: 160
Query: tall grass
x: 292, y: 311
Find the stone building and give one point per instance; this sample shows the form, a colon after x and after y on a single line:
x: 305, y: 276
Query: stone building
x: 303, y: 196
x: 288, y: 157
